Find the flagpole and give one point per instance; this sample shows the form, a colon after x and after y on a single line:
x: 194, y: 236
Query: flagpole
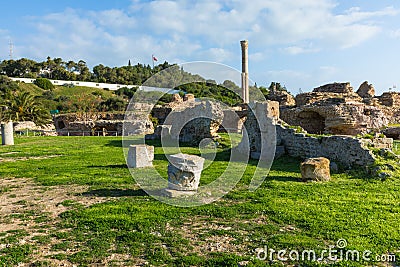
x: 152, y: 58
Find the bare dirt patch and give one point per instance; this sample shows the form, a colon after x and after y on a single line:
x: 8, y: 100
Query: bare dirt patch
x: 27, y: 158
x: 34, y: 210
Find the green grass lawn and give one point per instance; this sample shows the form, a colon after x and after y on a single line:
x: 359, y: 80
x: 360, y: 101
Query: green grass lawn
x: 60, y: 90
x: 133, y: 228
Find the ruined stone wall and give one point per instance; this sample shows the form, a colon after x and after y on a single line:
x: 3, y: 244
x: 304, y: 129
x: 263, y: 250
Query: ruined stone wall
x: 346, y: 118
x: 366, y: 90
x: 284, y: 98
x: 340, y: 88
x: 326, y: 98
x: 390, y: 99
x: 193, y: 121
x: 233, y: 121
x: 103, y: 123
x: 160, y: 113
x: 347, y: 151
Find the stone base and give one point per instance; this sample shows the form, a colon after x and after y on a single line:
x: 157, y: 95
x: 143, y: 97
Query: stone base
x: 140, y: 156
x: 176, y: 193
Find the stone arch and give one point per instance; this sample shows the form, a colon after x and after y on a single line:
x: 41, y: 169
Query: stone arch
x: 312, y: 122
x: 61, y: 124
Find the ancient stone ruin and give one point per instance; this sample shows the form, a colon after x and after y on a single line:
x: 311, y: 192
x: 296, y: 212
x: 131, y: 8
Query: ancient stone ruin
x: 348, y: 151
x: 337, y: 109
x: 260, y: 123
x: 104, y: 124
x: 366, y: 90
x: 194, y: 121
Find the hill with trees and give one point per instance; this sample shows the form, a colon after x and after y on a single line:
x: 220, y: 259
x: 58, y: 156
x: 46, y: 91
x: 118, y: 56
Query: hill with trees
x: 58, y: 69
x: 20, y: 101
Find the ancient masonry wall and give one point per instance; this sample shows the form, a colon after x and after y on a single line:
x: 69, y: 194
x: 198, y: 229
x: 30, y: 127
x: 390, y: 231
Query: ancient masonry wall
x: 347, y: 151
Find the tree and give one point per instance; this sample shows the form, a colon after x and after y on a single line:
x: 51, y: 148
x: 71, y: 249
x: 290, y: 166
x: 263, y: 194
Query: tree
x: 275, y: 86
x: 70, y: 65
x: 22, y: 106
x: 113, y: 104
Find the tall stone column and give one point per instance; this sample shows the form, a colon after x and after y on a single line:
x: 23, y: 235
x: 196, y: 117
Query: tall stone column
x: 7, y: 133
x: 245, y: 71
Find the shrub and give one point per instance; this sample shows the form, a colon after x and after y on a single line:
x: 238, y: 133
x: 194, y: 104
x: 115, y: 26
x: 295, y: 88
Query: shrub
x: 112, y: 104
x: 44, y: 83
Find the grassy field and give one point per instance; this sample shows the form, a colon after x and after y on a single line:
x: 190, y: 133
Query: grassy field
x: 92, y: 212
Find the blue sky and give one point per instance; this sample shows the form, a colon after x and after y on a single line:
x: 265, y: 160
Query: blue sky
x: 302, y: 44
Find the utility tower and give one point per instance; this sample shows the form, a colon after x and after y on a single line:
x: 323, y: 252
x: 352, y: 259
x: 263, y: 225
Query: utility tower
x: 11, y: 49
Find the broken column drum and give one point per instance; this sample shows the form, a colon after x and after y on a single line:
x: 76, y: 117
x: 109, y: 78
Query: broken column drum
x: 184, y: 172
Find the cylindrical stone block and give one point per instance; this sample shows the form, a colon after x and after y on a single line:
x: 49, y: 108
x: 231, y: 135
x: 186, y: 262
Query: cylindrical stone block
x: 7, y: 133
x: 184, y: 172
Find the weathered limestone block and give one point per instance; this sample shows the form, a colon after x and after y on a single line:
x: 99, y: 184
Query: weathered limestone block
x: 315, y: 169
x: 177, y: 98
x: 366, y: 90
x: 24, y: 125
x: 390, y: 99
x: 140, y: 126
x: 140, y: 156
x: 379, y: 143
x: 161, y: 131
x: 184, y: 172
x: 392, y: 132
x: 188, y: 97
x: 284, y: 98
x: 338, y: 88
x: 7, y: 133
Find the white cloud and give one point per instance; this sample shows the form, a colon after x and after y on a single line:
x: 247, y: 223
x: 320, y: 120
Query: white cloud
x: 265, y: 22
x: 216, y: 54
x: 395, y: 33
x: 295, y: 50
x: 4, y: 44
x: 256, y: 57
x: 177, y: 31
x: 114, y: 19
x: 277, y: 74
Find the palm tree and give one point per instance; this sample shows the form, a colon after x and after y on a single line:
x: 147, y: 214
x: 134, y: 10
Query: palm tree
x: 70, y: 65
x: 22, y: 106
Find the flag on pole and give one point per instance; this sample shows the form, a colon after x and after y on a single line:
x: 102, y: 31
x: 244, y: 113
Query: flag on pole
x: 153, y: 58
